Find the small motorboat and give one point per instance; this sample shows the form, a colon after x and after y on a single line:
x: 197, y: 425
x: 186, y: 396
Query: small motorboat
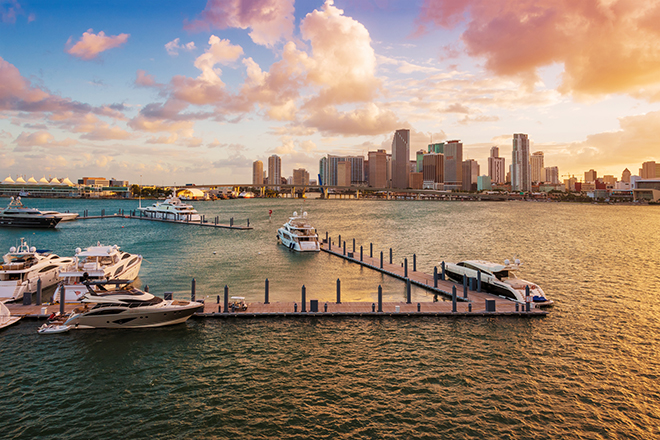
x: 52, y: 328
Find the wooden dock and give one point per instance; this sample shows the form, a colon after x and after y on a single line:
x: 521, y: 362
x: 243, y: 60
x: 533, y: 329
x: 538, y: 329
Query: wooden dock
x: 134, y: 216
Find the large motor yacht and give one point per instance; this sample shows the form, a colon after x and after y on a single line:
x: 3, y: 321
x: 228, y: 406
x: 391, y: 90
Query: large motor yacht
x: 172, y: 208
x: 22, y: 267
x: 97, y: 263
x: 498, y: 279
x: 127, y: 307
x: 18, y: 216
x: 298, y: 235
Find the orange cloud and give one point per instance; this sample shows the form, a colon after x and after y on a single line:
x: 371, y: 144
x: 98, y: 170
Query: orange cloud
x: 604, y: 46
x: 369, y: 120
x: 90, y: 44
x: 269, y: 20
x: 40, y: 138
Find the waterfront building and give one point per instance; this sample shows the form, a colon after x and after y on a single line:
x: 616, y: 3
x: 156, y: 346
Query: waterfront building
x: 437, y: 148
x: 496, y: 166
x: 570, y: 184
x: 401, y: 159
x: 323, y: 171
x: 609, y: 180
x: 357, y: 169
x: 590, y: 176
x: 470, y: 175
x: 552, y: 175
x: 433, y: 170
x: 88, y: 181
x: 521, y: 179
x: 453, y: 164
x: 419, y: 161
x: 300, y: 177
x: 625, y: 176
x: 378, y: 169
x: 483, y: 183
x: 257, y: 172
x: 647, y: 189
x: 649, y: 170
x: 536, y: 167
x: 274, y: 170
x: 343, y: 173
x: 417, y: 180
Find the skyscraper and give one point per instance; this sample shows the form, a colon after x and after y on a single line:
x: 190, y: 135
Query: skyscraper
x: 274, y: 170
x: 552, y: 175
x: 521, y: 179
x: 300, y: 177
x: 323, y: 171
x: 648, y: 170
x: 344, y: 173
x: 437, y: 148
x: 401, y: 159
x: 625, y: 176
x: 536, y: 166
x: 590, y: 176
x: 453, y: 164
x: 257, y: 172
x: 496, y: 166
x: 420, y: 161
x: 470, y: 175
x: 434, y: 169
x: 378, y: 169
x: 357, y: 169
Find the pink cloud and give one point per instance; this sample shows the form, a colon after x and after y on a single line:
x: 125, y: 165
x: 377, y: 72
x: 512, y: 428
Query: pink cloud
x: 173, y: 47
x: 604, y: 46
x: 90, y: 44
x: 9, y: 10
x: 143, y: 79
x: 269, y: 20
x: 369, y: 120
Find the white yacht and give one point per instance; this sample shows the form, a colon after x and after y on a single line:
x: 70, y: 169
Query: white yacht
x: 298, y: 235
x: 172, y: 208
x: 18, y: 216
x: 63, y: 216
x: 127, y: 307
x: 498, y: 279
x: 5, y: 316
x: 97, y: 263
x: 22, y: 267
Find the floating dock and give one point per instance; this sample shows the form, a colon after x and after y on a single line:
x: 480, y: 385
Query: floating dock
x: 137, y: 215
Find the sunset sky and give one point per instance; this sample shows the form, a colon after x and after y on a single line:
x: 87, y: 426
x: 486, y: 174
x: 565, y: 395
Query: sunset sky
x: 195, y: 91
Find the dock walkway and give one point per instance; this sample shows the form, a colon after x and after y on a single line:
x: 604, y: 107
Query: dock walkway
x: 203, y: 222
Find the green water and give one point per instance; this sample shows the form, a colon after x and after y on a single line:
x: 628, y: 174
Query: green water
x: 589, y: 370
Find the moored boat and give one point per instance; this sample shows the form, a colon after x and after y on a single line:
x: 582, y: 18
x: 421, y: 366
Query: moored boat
x: 298, y: 235
x: 16, y: 215
x: 5, y: 316
x: 171, y: 208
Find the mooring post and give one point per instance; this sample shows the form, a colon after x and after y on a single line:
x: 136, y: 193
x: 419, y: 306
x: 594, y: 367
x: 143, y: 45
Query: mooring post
x: 303, y: 307
x: 380, y: 298
x: 353, y: 245
x: 339, y: 240
x: 465, y: 286
x: 231, y: 222
x: 435, y: 277
x: 361, y: 253
x: 405, y: 270
x: 517, y: 307
x: 217, y: 300
x: 453, y: 299
x: 248, y: 223
x: 326, y: 236
x: 528, y: 302
x: 381, y: 259
x: 295, y: 307
x: 442, y: 274
x: 27, y: 298
x: 325, y: 307
x: 344, y: 248
x: 267, y: 286
x: 419, y: 307
x: 338, y: 291
x: 414, y: 262
x: 330, y: 243
x: 226, y: 299
x: 390, y: 255
x: 371, y: 250
x: 373, y: 307
x: 470, y: 307
x: 478, y: 281
x: 62, y: 300
x: 408, y: 292
x: 192, y: 291
x: 39, y: 292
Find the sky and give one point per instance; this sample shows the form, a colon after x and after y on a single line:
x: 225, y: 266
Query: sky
x: 170, y: 92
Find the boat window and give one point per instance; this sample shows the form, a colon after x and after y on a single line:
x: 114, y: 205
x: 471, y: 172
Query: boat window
x: 126, y: 255
x: 461, y: 264
x: 132, y: 262
x: 501, y: 274
x: 47, y: 268
x: 118, y: 271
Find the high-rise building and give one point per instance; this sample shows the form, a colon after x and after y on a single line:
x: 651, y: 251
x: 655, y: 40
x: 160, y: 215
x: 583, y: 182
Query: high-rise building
x: 300, y: 177
x: 323, y: 171
x: 483, y: 183
x: 357, y: 169
x: 470, y: 175
x: 552, y: 175
x: 625, y: 176
x: 433, y: 170
x: 344, y: 173
x: 496, y: 166
x: 438, y: 148
x: 416, y: 180
x: 648, y: 170
x: 521, y: 179
x: 378, y: 169
x: 274, y: 170
x: 401, y: 159
x: 453, y: 164
x: 590, y: 176
x: 536, y: 167
x: 609, y: 180
x: 419, y: 165
x: 257, y: 172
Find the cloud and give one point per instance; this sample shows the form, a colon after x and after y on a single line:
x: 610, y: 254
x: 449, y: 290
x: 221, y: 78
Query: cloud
x: 605, y: 46
x: 479, y: 118
x: 10, y: 9
x: 173, y: 47
x: 270, y: 21
x: 90, y: 44
x: 143, y: 79
x: 369, y: 120
x: 456, y: 108
x: 104, y: 132
x: 40, y: 138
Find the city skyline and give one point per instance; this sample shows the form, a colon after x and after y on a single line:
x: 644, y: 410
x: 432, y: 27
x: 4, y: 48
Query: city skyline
x: 197, y: 92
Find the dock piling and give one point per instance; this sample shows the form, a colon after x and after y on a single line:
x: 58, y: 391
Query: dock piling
x: 453, y: 299
x: 381, y: 259
x: 338, y: 291
x: 478, y: 281
x: 371, y: 250
x: 339, y: 240
x: 62, y: 298
x: 226, y: 298
x: 248, y: 223
x: 27, y: 298
x: 414, y: 262
x: 470, y: 307
x: 419, y: 307
x: 408, y: 292
x: 390, y: 255
x: 344, y: 248
x: 303, y: 307
x: 217, y: 299
x: 435, y: 277
x: 361, y: 253
x: 442, y: 274
x: 267, y: 288
x: 325, y: 307
x: 330, y: 243
x: 380, y: 298
x: 405, y: 270
x: 465, y: 286
x: 39, y: 292
x: 192, y: 290
x: 373, y: 307
x: 295, y: 307
x: 353, y: 245
x: 528, y: 302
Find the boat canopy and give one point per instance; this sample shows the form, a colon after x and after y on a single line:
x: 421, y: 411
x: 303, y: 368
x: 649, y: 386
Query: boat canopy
x: 99, y: 251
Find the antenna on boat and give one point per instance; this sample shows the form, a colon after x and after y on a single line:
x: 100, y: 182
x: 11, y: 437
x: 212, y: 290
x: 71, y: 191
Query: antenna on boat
x: 140, y: 192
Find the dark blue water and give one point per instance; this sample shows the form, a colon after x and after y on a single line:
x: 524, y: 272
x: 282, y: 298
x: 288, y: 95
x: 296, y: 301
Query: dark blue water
x: 589, y: 370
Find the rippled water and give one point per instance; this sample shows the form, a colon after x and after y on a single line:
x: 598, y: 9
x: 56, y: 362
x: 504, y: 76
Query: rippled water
x: 589, y: 370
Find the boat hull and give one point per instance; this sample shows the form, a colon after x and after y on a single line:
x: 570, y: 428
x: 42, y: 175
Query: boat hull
x: 311, y: 246
x: 10, y: 221
x: 138, y: 317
